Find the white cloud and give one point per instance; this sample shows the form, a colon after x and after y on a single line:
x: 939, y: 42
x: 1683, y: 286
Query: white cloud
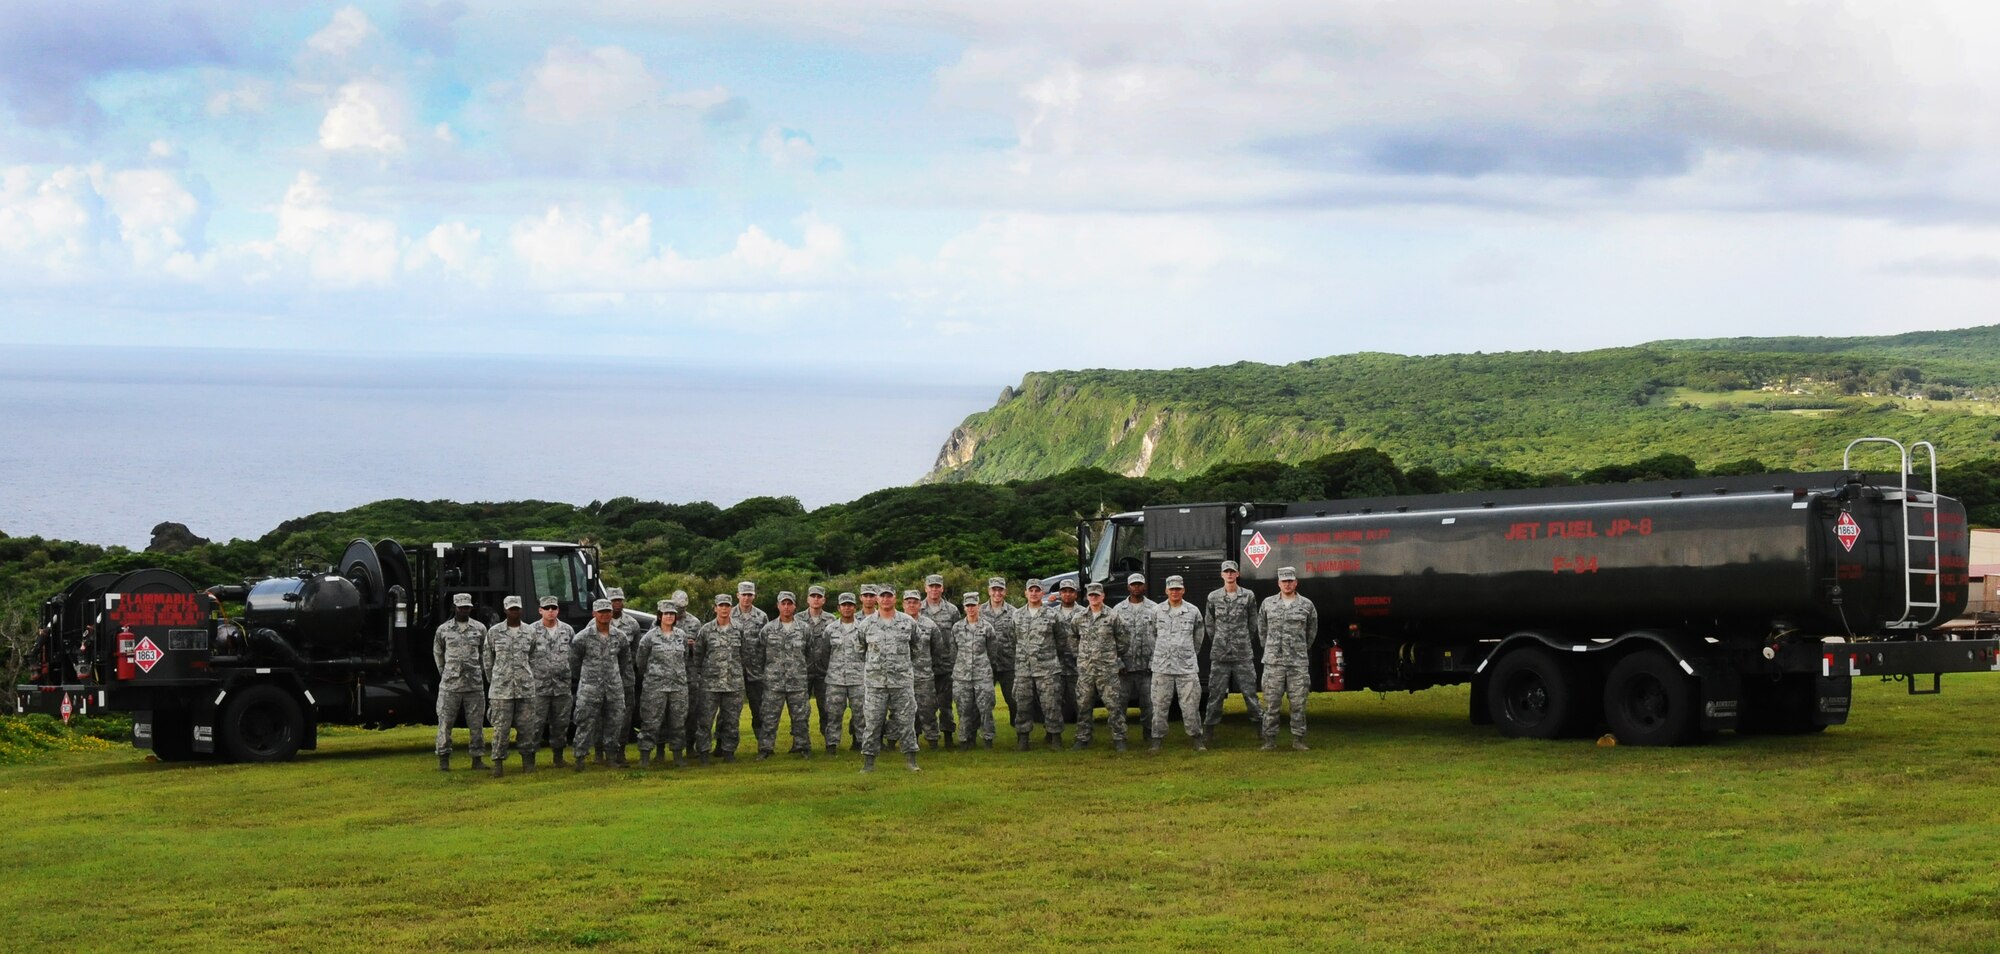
x: 454, y: 248
x: 791, y: 150
x: 614, y: 252
x: 335, y: 247
x: 78, y: 221
x: 342, y: 35
x: 602, y: 112
x: 365, y: 117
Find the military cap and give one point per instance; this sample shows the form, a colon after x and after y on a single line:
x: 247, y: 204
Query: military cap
x: 912, y: 595
x: 601, y: 606
x: 1033, y: 585
x: 845, y: 598
x: 997, y: 582
x: 681, y: 597
x: 550, y: 602
x: 935, y: 579
x: 785, y: 596
x: 1174, y: 583
x: 971, y: 599
x: 722, y: 599
x: 746, y: 587
x: 512, y: 602
x: 1228, y: 565
x: 1066, y: 584
x: 1097, y: 588
x: 461, y: 599
x: 1135, y: 578
x: 666, y: 605
x: 815, y: 590
x: 867, y: 589
x: 614, y: 593
x: 1288, y: 573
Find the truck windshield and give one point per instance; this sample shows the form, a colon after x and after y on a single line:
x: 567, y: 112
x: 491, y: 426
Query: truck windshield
x: 1121, y: 548
x: 559, y: 575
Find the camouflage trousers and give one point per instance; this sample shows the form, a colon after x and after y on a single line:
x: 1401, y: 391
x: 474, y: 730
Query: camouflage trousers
x: 552, y: 711
x: 1091, y: 688
x: 1069, y: 696
x: 975, y: 708
x: 600, y: 711
x: 625, y: 732
x: 1222, y: 674
x: 1139, y: 692
x: 1290, y: 682
x: 943, y: 693
x: 720, y: 722
x: 1038, y: 693
x: 890, y: 708
x: 753, y: 693
x: 470, y: 705
x: 925, y: 689
x: 515, y: 714
x: 663, y: 719
x: 843, y: 705
x: 776, y: 703
x: 691, y: 729
x: 816, y: 688
x: 1169, y: 688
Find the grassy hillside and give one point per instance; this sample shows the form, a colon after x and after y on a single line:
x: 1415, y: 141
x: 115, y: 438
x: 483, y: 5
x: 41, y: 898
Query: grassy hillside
x: 1788, y: 402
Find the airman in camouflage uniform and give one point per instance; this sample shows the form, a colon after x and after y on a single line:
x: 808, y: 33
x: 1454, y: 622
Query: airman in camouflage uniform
x: 690, y: 624
x: 1069, y: 609
x: 597, y: 660
x: 1232, y: 650
x: 972, y: 674
x: 845, y: 677
x: 889, y: 640
x: 752, y: 620
x: 508, y: 657
x: 998, y: 614
x: 784, y: 650
x: 720, y: 646
x: 1290, y: 623
x: 923, y: 671
x: 1038, y: 630
x: 1178, y: 632
x: 663, y: 688
x: 1136, y: 612
x: 941, y: 612
x: 1100, y: 644
x: 552, y: 675
x: 818, y: 649
x: 461, y: 691
x: 628, y: 627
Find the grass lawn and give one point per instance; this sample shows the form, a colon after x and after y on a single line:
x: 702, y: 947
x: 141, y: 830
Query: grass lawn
x: 1406, y: 827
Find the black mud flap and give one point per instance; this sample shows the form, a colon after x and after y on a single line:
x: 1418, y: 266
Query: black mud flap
x: 1833, y: 696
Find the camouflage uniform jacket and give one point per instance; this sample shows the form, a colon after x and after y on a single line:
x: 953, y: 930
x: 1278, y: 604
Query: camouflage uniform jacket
x: 598, y: 659
x: 721, y: 651
x: 509, y: 661
x: 890, y: 643
x: 628, y: 627
x: 1070, y: 614
x: 1001, y: 618
x: 846, y: 654
x: 818, y: 645
x: 784, y: 652
x: 552, y: 657
x: 1038, y: 631
x: 942, y: 613
x: 752, y: 621
x: 1101, y: 642
x: 1232, y: 624
x: 1138, y: 620
x: 921, y: 664
x: 972, y: 648
x: 457, y: 650
x: 663, y: 660
x: 1178, y: 632
x: 1289, y: 628
x: 944, y: 651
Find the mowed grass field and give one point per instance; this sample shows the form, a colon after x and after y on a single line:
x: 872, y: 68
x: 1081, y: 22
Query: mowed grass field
x: 1405, y: 828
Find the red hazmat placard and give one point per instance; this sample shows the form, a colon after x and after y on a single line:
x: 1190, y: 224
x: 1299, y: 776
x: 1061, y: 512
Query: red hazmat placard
x: 1847, y: 530
x: 1256, y: 550
x: 147, y: 655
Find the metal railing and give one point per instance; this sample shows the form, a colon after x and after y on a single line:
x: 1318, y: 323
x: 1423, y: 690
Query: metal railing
x: 1917, y: 504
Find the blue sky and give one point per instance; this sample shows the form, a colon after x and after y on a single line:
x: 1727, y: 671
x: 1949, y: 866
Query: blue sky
x: 972, y: 190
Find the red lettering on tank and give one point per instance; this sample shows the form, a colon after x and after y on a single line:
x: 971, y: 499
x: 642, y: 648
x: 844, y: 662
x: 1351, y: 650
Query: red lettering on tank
x: 1332, y: 566
x: 1571, y: 529
x: 1850, y: 571
x: 1576, y: 564
x: 1304, y: 538
x: 157, y: 609
x: 1525, y: 531
x: 1622, y: 526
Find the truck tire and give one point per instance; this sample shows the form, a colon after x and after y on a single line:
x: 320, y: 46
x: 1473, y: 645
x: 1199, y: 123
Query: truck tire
x: 262, y: 724
x: 1532, y: 695
x: 1648, y: 700
x: 173, y: 737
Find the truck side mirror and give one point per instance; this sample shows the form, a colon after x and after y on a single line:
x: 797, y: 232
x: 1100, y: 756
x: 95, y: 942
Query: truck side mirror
x: 1083, y: 553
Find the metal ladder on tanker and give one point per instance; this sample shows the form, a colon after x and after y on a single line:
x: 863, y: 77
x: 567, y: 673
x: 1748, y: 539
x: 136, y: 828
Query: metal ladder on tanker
x: 1917, y: 505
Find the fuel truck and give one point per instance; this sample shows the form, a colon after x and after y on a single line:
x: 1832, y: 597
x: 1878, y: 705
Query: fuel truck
x: 249, y: 671
x: 1660, y: 611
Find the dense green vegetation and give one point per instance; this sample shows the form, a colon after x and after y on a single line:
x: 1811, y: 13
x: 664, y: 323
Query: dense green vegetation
x: 1792, y: 403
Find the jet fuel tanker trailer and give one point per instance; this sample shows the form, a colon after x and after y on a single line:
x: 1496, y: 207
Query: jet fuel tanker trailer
x: 349, y: 645
x: 1662, y: 611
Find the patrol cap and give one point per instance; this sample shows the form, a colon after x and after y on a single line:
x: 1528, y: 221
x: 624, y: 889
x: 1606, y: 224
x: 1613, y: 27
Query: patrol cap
x: 722, y: 599
x: 461, y: 599
x: 971, y: 599
x: 746, y: 587
x: 614, y: 593
x: 1066, y: 584
x: 785, y: 596
x: 996, y: 583
x: 1135, y: 578
x: 935, y: 579
x: 1230, y: 565
x: 550, y: 602
x: 601, y: 606
x: 815, y: 590
x: 1174, y: 583
x: 1288, y: 573
x: 1097, y: 588
x: 512, y: 602
x: 847, y: 598
x: 667, y: 606
x: 1034, y: 584
x: 867, y: 589
x: 681, y: 597
x: 912, y: 595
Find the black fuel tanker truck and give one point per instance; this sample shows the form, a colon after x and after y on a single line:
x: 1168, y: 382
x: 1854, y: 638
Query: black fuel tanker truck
x: 1661, y: 611
x: 249, y: 671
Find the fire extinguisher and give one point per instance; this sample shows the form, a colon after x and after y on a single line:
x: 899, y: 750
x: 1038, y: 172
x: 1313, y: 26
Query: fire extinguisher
x: 1336, y: 665
x: 128, y: 644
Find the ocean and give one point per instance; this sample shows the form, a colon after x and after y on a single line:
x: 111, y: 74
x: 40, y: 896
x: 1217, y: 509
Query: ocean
x: 101, y: 444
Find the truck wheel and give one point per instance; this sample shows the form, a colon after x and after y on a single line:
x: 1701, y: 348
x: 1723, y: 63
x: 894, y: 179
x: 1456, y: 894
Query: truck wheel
x: 173, y: 737
x: 1648, y: 700
x: 262, y: 724
x: 1531, y: 695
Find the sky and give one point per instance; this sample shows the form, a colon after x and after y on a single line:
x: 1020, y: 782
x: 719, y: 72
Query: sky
x: 971, y: 190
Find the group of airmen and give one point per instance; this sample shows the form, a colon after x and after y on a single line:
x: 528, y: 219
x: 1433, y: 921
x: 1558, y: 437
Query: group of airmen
x: 876, y: 668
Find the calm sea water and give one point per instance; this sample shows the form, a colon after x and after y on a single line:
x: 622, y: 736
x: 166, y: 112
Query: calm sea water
x: 101, y: 444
